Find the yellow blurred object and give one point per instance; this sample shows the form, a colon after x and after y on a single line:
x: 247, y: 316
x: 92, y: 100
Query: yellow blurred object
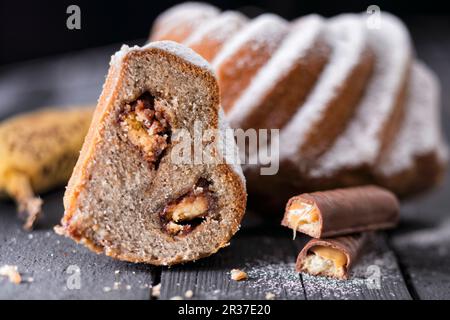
x: 38, y: 151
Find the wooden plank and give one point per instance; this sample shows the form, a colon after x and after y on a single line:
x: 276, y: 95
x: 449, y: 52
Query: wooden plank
x: 267, y: 257
x: 423, y: 246
x: 52, y: 261
x: 375, y: 276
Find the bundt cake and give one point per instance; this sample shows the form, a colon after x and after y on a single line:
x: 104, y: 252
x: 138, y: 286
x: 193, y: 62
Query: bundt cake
x: 178, y: 23
x: 245, y: 53
x: 417, y: 156
x: 342, y: 92
x: 323, y: 116
x: 296, y: 63
x: 379, y: 113
x: 132, y: 195
x: 209, y: 40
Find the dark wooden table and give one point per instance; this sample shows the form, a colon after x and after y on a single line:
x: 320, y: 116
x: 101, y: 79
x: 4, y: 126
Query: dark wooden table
x: 412, y: 262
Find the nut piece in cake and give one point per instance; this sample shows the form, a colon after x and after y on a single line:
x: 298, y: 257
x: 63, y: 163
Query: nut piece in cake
x: 181, y: 216
x: 145, y: 124
x: 190, y: 207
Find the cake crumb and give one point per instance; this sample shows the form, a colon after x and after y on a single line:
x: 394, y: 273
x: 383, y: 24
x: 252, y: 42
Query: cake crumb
x: 238, y: 275
x: 59, y: 230
x: 270, y: 296
x: 12, y: 273
x: 177, y: 298
x: 156, y: 291
x: 189, y: 294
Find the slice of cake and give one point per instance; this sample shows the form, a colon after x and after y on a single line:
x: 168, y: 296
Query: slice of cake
x: 132, y: 195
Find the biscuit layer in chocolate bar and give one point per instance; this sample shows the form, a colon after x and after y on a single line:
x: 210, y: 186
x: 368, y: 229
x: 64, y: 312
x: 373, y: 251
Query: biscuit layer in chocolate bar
x: 331, y: 257
x: 342, y: 211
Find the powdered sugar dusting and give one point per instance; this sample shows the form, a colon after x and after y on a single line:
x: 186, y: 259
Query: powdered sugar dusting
x: 227, y: 146
x: 188, y: 14
x: 359, y: 144
x: 172, y: 47
x: 258, y: 33
x: 276, y: 278
x: 181, y: 51
x: 293, y: 48
x: 116, y: 59
x: 443, y: 151
x: 218, y: 29
x: 421, y: 132
x: 347, y: 39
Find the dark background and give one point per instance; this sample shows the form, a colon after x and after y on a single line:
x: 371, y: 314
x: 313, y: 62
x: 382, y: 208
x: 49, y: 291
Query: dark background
x: 32, y: 29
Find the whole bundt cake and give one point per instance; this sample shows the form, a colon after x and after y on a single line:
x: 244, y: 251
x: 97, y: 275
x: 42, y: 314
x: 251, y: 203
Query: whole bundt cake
x: 353, y: 104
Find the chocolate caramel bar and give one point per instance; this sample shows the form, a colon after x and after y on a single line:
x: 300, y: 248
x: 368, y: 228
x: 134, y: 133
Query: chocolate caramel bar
x: 331, y: 257
x: 342, y: 211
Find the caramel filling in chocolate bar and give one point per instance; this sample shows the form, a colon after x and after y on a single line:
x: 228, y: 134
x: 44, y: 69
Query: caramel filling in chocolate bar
x: 336, y: 256
x: 146, y: 126
x: 183, y: 215
x: 302, y: 213
x: 327, y: 261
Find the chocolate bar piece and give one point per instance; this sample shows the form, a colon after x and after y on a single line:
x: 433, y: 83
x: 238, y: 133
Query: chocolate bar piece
x: 342, y: 211
x: 331, y: 257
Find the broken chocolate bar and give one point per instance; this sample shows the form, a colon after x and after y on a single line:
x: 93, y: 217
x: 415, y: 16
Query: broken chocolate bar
x: 331, y: 257
x: 342, y: 211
